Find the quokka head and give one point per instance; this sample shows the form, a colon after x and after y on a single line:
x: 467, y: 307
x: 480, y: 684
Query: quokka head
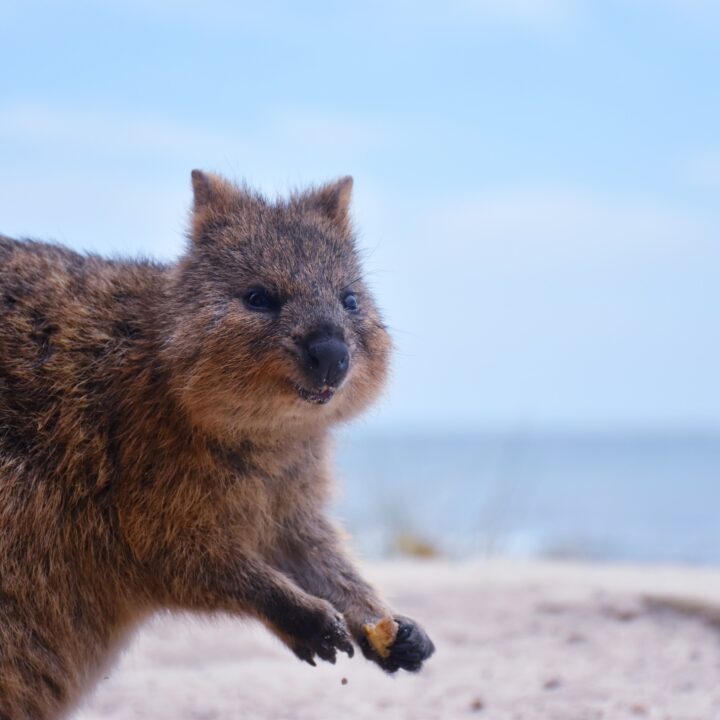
x: 272, y: 322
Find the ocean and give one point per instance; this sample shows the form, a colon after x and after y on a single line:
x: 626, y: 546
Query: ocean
x: 634, y: 498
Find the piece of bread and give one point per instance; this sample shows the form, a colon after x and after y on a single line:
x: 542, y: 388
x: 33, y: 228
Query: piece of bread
x: 382, y: 635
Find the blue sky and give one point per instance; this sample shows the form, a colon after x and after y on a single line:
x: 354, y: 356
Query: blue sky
x: 537, y: 181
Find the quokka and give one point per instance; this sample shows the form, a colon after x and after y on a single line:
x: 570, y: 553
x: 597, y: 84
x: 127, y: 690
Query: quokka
x: 163, y: 440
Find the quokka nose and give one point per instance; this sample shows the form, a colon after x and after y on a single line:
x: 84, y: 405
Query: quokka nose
x: 329, y: 360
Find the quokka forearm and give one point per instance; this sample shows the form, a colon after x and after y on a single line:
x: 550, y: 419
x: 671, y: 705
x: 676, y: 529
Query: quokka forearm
x: 312, y: 554
x: 244, y: 585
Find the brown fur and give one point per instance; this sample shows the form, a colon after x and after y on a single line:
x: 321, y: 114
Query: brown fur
x: 154, y: 450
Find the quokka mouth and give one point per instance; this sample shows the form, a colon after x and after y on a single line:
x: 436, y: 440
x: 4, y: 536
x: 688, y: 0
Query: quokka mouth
x: 318, y: 397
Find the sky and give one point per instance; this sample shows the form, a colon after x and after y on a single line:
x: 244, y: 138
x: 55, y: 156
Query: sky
x: 536, y: 181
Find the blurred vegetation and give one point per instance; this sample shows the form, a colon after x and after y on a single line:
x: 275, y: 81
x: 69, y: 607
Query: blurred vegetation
x: 411, y: 545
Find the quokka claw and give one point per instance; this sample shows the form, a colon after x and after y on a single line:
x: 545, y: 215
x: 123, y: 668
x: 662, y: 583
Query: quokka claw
x: 332, y: 637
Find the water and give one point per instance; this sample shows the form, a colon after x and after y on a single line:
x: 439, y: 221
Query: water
x: 635, y: 498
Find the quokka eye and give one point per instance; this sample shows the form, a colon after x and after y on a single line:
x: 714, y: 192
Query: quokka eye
x: 350, y: 303
x: 260, y: 300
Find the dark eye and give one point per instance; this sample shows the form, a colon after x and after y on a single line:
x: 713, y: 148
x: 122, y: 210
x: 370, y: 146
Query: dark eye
x: 261, y: 300
x: 350, y: 303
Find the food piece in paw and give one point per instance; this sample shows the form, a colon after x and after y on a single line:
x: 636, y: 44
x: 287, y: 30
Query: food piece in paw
x: 381, y: 635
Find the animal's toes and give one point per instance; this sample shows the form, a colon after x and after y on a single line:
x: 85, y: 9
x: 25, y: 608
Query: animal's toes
x: 412, y: 646
x: 305, y: 654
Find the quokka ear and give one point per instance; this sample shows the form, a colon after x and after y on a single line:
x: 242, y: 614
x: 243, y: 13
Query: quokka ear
x: 210, y: 190
x: 216, y: 202
x: 333, y: 200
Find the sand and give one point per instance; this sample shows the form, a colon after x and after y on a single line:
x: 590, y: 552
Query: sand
x: 531, y: 641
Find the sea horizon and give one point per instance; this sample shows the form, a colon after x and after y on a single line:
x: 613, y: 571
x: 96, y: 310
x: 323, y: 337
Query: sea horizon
x: 622, y: 496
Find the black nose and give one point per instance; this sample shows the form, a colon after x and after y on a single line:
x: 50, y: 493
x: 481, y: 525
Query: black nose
x: 329, y: 360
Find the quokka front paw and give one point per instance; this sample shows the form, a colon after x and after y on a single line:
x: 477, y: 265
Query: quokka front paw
x: 409, y: 649
x: 322, y: 635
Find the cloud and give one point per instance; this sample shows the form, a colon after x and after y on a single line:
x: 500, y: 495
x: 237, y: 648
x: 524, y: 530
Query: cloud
x: 68, y: 168
x: 564, y: 246
x: 546, y: 304
x: 286, y: 138
x: 532, y: 227
x: 98, y: 145
x: 98, y: 129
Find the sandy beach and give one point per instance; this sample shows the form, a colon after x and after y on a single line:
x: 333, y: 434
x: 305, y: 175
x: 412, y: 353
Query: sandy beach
x: 516, y: 641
